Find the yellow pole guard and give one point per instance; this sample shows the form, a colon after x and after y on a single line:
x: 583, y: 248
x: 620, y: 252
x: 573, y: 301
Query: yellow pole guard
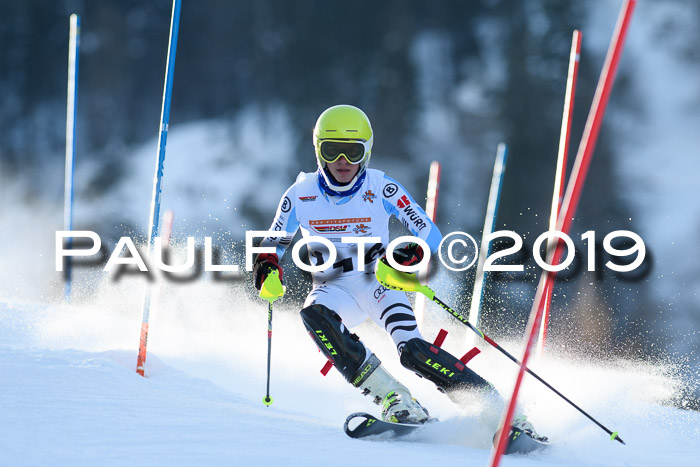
x: 272, y: 287
x: 398, y: 280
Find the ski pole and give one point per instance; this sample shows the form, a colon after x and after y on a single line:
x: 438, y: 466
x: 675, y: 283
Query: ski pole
x: 267, y: 400
x: 397, y: 280
x: 271, y: 290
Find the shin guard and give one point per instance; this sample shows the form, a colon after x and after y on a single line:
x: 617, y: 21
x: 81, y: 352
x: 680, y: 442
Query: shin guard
x: 345, y: 350
x: 440, y: 367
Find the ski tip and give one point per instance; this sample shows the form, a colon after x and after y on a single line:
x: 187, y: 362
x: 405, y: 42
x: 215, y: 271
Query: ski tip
x: 356, y: 419
x: 616, y: 437
x: 521, y: 442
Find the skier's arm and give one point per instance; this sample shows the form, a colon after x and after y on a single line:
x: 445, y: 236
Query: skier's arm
x: 285, y: 221
x: 400, y: 204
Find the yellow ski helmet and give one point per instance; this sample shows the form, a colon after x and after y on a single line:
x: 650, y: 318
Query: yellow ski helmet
x: 343, y: 131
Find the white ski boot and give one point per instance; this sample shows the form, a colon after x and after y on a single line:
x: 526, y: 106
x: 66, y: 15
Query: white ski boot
x: 523, y: 424
x: 400, y: 407
x: 395, y: 399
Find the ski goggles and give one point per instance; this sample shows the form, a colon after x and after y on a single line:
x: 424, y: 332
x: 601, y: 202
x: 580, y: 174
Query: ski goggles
x: 353, y: 151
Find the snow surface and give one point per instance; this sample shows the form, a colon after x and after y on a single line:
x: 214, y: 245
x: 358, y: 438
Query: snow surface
x: 71, y: 396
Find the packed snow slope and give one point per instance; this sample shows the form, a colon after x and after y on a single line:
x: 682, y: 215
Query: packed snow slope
x: 70, y: 394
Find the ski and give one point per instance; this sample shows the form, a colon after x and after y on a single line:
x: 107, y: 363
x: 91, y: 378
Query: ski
x: 521, y: 442
x: 361, y: 425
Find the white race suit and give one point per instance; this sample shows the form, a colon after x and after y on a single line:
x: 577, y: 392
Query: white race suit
x: 345, y: 287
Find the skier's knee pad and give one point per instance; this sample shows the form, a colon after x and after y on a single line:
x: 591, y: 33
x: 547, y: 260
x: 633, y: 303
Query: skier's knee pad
x: 341, y: 347
x: 439, y: 366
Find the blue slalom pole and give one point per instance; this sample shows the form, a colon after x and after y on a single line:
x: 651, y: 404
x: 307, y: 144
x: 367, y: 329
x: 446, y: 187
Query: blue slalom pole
x: 71, y: 105
x: 154, y: 226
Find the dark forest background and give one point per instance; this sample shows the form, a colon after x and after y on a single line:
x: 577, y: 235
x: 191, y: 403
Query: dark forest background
x: 445, y: 80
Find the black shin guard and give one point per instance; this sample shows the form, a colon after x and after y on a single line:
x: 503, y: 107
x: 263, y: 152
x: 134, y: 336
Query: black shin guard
x: 440, y: 367
x: 341, y: 347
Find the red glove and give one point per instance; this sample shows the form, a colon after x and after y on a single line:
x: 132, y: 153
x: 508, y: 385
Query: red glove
x: 409, y: 255
x: 264, y: 264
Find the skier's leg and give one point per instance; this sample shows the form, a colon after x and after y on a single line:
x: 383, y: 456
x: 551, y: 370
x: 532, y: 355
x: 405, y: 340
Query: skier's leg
x: 359, y: 366
x: 392, y: 311
x: 348, y: 354
x: 441, y: 367
x: 461, y: 384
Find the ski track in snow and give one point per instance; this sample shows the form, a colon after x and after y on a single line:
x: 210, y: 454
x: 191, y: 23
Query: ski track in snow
x: 70, y: 395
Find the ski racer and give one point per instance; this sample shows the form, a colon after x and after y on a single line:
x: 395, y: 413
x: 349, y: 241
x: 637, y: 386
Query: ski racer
x: 345, y: 200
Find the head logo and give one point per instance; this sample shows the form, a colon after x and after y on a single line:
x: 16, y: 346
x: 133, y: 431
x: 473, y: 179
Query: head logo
x: 369, y: 196
x: 306, y: 199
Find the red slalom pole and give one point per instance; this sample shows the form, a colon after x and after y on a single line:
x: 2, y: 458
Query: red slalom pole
x: 560, y: 174
x: 570, y: 203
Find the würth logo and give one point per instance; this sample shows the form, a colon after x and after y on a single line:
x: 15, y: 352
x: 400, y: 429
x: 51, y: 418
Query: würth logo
x: 403, y: 202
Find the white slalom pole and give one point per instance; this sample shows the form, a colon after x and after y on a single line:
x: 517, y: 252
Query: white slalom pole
x: 430, y: 210
x: 485, y: 248
x: 559, y: 176
x: 71, y: 105
x: 155, y: 201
